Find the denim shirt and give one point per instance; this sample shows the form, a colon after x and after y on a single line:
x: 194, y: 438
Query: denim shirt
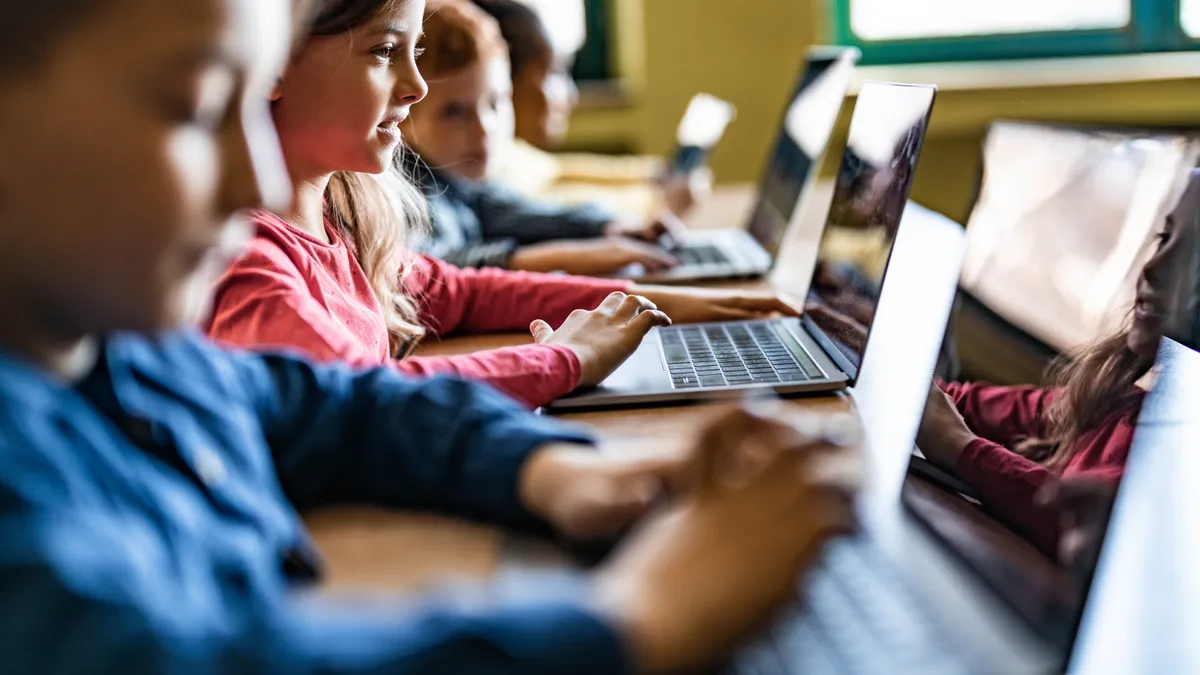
x: 480, y: 224
x: 148, y: 517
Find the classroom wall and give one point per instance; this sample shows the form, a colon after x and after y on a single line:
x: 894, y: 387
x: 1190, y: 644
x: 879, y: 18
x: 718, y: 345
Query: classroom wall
x: 747, y: 52
x: 706, y: 45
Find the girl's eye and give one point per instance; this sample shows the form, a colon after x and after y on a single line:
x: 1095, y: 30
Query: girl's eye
x: 385, y: 52
x: 417, y: 52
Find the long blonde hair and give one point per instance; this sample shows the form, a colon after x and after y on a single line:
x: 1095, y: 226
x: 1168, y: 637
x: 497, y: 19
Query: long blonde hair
x: 377, y: 214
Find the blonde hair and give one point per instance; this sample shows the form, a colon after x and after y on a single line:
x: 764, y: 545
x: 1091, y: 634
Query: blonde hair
x: 378, y: 214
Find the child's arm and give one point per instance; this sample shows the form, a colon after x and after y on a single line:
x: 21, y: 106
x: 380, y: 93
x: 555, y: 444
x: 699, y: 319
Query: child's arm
x: 504, y: 214
x: 374, y: 436
x: 262, y: 303
x: 495, y: 253
x: 83, y: 595
x: 455, y: 300
x: 1009, y: 486
x: 1004, y: 415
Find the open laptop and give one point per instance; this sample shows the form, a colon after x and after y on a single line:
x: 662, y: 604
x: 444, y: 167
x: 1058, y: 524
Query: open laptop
x: 812, y: 353
x: 919, y: 590
x: 804, y: 132
x: 930, y: 603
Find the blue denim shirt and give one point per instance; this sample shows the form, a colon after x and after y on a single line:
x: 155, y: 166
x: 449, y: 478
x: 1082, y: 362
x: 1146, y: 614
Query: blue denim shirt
x: 148, y: 517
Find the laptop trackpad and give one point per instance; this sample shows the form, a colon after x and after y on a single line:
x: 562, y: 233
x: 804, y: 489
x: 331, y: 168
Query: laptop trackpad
x: 644, y: 371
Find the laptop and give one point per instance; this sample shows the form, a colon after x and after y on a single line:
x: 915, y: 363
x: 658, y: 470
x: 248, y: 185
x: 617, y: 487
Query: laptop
x: 927, y: 603
x: 812, y: 353
x: 919, y: 591
x: 803, y: 136
x: 702, y: 127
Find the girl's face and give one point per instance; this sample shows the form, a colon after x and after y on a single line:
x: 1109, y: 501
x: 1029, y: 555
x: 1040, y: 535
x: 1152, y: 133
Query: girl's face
x: 124, y: 161
x: 467, y: 119
x: 1163, y: 276
x: 343, y: 97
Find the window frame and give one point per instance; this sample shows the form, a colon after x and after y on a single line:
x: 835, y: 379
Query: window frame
x: 1154, y: 26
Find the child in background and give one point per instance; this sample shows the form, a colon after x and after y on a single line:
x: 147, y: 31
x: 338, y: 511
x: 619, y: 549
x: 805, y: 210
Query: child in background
x: 150, y: 481
x: 544, y: 95
x: 459, y: 131
x: 335, y: 281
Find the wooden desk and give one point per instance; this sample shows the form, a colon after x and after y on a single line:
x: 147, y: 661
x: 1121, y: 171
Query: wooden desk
x: 371, y: 548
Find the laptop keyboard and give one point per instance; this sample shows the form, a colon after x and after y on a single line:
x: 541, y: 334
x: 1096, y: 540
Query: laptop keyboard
x: 701, y: 254
x: 859, y: 614
x: 720, y: 355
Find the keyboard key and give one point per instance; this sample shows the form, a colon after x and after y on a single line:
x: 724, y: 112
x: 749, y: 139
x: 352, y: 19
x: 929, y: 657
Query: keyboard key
x: 685, y: 382
x: 711, y: 380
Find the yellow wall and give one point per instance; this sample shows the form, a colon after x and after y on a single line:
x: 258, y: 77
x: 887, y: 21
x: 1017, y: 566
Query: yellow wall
x: 708, y: 45
x: 748, y: 51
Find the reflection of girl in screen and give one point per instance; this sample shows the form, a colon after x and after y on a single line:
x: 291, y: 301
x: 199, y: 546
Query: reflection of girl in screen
x: 865, y: 214
x: 1010, y: 443
x: 867, y: 204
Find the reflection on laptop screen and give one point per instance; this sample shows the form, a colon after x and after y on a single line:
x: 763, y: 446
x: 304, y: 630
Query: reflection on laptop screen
x: 804, y: 133
x: 872, y: 188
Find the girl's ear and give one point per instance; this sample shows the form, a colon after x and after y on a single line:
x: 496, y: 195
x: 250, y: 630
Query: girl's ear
x: 277, y: 90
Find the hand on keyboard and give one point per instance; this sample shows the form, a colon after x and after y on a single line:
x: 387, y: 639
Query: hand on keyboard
x: 760, y: 498
x: 590, y: 256
x: 697, y: 305
x: 663, y: 230
x: 604, y: 337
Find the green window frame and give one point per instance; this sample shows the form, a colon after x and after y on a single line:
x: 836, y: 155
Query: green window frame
x: 1154, y: 26
x: 593, y: 62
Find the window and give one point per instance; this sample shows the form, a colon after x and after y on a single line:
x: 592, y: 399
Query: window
x: 1190, y: 14
x: 593, y: 61
x: 896, y: 31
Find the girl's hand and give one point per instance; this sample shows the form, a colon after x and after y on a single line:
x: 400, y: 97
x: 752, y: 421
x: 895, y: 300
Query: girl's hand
x: 604, y: 337
x: 697, y: 305
x: 1084, y: 506
x: 593, y: 257
x: 943, y: 434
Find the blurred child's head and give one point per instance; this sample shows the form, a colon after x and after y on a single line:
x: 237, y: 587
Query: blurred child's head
x: 339, y: 108
x: 543, y: 92
x: 467, y: 119
x: 124, y: 161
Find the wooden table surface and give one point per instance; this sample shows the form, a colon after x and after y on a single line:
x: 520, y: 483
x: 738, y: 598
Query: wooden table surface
x: 367, y: 548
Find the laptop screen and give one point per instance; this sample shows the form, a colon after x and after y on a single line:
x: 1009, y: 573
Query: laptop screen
x: 1089, y: 613
x: 870, y: 194
x: 804, y: 133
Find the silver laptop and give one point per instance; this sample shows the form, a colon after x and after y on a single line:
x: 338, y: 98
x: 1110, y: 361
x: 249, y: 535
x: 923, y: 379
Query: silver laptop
x: 927, y: 594
x: 815, y: 352
x: 803, y: 136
